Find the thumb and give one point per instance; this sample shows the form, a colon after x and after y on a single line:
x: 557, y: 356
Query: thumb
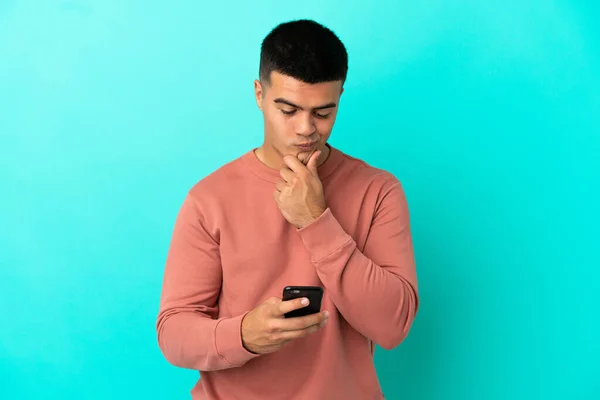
x: 312, y: 162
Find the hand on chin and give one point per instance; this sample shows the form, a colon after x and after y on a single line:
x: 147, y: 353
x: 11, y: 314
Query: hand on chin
x: 303, y: 155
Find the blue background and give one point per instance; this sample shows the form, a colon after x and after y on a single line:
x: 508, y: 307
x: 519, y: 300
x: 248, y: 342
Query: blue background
x: 488, y: 112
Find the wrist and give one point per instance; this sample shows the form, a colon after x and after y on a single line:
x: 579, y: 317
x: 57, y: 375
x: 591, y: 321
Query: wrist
x: 247, y: 346
x: 317, y: 214
x: 313, y: 217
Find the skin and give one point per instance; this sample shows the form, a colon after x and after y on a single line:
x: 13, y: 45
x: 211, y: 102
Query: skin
x: 311, y: 112
x: 308, y: 123
x: 296, y: 112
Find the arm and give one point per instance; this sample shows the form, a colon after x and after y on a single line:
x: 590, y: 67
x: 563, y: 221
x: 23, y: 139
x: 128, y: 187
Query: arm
x: 189, y: 333
x: 375, y: 291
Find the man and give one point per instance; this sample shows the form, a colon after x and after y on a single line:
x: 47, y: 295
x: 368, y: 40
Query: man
x: 295, y: 211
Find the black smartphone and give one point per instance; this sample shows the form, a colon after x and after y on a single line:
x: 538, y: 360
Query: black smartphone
x: 313, y: 293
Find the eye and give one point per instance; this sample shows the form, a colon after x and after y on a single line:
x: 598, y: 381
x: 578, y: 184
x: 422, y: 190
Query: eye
x: 323, y: 116
x: 288, y: 112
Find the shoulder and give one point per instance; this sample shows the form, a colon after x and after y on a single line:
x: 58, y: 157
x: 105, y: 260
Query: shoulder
x: 219, y: 184
x: 377, y: 186
x: 362, y: 172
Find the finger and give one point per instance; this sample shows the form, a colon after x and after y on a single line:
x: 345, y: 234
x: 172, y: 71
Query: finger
x: 299, y: 323
x: 296, y: 334
x: 294, y: 163
x: 291, y: 305
x: 280, y: 184
x: 286, y: 174
x: 312, y: 162
x: 306, y: 159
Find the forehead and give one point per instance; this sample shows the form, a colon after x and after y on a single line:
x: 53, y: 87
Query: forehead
x: 294, y: 89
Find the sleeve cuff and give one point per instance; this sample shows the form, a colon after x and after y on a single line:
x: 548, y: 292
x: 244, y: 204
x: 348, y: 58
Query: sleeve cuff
x: 228, y: 341
x: 323, y: 236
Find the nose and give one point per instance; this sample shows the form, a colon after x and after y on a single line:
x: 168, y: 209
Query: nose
x: 305, y: 126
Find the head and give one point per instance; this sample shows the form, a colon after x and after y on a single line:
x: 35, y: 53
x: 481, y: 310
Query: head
x: 303, y: 67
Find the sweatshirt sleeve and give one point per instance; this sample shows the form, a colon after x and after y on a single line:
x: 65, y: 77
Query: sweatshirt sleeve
x: 190, y: 334
x: 374, y: 290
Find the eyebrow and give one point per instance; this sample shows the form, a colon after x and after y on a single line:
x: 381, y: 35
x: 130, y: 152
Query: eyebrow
x: 289, y: 103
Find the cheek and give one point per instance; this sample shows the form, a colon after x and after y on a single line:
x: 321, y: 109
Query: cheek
x: 272, y: 119
x: 324, y: 127
x: 279, y: 126
x: 285, y: 126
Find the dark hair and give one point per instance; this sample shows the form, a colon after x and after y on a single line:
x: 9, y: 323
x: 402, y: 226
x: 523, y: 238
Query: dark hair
x: 304, y: 50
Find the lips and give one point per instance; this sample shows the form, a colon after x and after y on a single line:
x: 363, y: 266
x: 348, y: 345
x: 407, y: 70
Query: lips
x: 306, y: 146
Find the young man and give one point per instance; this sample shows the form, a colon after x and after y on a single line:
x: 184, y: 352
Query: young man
x: 295, y: 211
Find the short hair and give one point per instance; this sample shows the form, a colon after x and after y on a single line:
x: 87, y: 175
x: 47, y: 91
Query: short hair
x: 305, y: 50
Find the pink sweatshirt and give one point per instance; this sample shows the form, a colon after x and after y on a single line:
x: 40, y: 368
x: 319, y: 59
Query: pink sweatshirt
x: 232, y: 249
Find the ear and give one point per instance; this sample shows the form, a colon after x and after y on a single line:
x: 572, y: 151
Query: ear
x: 258, y: 93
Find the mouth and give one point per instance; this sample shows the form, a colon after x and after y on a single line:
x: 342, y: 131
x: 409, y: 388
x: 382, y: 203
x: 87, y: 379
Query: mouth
x: 306, y: 146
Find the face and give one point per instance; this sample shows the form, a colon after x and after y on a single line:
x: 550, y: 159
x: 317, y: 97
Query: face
x: 296, y: 114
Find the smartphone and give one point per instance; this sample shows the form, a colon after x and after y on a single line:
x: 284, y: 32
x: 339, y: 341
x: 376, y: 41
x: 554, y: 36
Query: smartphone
x: 313, y: 293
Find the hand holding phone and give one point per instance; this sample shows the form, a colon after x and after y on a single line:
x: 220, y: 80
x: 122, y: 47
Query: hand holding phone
x: 266, y: 328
